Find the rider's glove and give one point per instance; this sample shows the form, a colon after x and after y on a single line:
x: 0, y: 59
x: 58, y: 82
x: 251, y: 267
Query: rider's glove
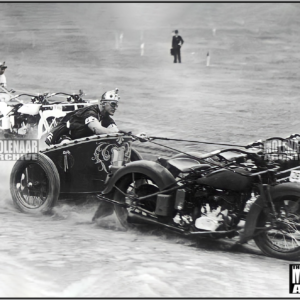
x: 125, y: 132
x: 142, y: 137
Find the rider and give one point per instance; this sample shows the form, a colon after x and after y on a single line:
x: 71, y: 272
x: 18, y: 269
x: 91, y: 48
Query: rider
x: 87, y: 121
x: 94, y: 119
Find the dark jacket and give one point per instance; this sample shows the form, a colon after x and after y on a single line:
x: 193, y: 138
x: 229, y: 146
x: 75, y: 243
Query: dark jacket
x: 176, y: 40
x: 78, y: 121
x: 75, y: 124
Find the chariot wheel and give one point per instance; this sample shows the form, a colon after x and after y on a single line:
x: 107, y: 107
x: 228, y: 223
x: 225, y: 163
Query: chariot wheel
x: 282, y: 239
x: 34, y: 184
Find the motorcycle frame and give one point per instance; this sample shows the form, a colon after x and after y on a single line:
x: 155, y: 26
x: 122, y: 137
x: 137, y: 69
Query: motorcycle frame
x: 266, y: 193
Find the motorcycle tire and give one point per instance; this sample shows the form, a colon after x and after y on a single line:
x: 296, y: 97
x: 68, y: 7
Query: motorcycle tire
x: 35, y: 184
x: 106, y: 208
x: 144, y: 185
x: 283, y: 241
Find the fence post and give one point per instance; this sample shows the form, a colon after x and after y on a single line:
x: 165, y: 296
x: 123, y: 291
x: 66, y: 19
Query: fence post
x: 207, y: 59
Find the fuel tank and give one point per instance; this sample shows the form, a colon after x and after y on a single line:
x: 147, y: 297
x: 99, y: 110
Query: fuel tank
x: 30, y: 109
x: 228, y: 180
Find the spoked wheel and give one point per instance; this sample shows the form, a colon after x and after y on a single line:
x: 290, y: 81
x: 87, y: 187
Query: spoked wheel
x: 34, y: 184
x: 282, y: 241
x: 51, y: 123
x: 132, y: 186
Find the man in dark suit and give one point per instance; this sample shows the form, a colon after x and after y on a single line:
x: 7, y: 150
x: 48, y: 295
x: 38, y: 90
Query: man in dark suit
x: 177, y: 42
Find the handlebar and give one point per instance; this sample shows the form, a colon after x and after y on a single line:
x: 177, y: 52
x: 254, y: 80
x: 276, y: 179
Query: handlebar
x: 15, y: 97
x: 75, y: 98
x: 41, y: 99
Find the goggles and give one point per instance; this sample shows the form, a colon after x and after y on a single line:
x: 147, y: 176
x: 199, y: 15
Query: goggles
x: 113, y: 104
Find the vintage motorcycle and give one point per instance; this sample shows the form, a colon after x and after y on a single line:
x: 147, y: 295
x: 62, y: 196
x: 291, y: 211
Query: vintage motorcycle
x: 16, y: 117
x: 209, y: 195
x: 33, y: 120
x: 226, y: 193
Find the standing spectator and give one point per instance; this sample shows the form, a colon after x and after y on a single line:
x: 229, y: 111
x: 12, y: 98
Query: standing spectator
x: 2, y: 76
x: 177, y: 42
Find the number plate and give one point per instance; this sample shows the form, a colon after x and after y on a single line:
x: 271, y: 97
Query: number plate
x: 295, y: 176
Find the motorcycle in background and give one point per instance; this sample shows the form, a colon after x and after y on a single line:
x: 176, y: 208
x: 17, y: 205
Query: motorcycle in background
x: 19, y: 119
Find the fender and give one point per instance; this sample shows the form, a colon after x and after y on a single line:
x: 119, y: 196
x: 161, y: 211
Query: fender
x: 135, y: 155
x: 161, y: 175
x: 283, y: 189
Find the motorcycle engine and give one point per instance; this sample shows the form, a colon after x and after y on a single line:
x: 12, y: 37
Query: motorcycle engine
x: 33, y: 120
x: 19, y: 119
x: 22, y: 119
x: 209, y: 210
x: 218, y: 210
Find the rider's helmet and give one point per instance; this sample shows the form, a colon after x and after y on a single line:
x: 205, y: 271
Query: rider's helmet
x: 110, y: 96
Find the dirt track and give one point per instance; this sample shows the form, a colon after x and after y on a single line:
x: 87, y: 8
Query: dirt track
x: 250, y: 91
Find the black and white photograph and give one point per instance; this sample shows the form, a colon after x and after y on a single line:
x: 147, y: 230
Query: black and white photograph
x: 150, y: 150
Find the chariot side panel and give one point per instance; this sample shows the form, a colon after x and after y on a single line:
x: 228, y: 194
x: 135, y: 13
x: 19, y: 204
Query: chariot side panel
x: 84, y: 164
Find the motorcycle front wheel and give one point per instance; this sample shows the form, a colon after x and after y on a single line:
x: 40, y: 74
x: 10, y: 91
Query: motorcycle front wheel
x: 282, y: 239
x: 131, y: 186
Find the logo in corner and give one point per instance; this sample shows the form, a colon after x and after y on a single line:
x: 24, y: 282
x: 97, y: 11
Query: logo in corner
x: 295, y: 279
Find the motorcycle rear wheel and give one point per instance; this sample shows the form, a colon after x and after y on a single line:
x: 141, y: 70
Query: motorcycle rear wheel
x: 135, y: 184
x: 283, y: 241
